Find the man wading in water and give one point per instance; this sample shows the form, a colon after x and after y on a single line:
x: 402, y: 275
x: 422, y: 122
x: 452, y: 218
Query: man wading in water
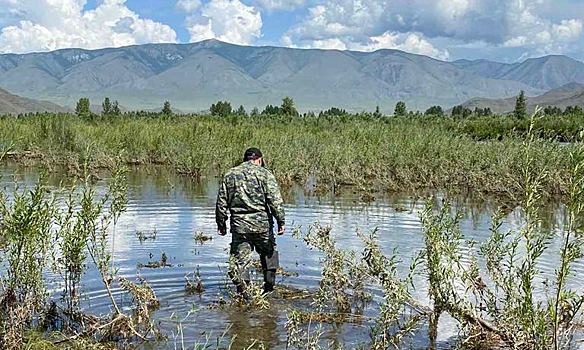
x: 250, y: 194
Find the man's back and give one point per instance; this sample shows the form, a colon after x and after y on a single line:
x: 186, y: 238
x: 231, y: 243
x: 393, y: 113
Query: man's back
x: 250, y: 194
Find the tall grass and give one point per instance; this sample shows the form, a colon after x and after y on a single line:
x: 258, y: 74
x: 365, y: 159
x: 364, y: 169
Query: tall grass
x: 374, y: 153
x: 563, y: 128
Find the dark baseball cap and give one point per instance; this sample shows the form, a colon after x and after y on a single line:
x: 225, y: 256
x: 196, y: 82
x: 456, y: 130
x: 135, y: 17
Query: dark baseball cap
x: 252, y: 154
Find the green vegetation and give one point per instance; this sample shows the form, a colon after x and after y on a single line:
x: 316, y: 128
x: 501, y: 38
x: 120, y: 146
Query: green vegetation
x: 37, y: 235
x: 288, y: 107
x: 491, y: 288
x: 520, y: 106
x: 496, y: 303
x: 220, y: 109
x: 560, y: 128
x: 400, y: 109
x: 337, y: 148
x: 461, y: 112
x: 435, y: 110
x: 166, y: 110
x: 82, y: 109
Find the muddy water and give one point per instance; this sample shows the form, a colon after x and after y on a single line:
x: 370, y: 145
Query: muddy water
x: 175, y: 208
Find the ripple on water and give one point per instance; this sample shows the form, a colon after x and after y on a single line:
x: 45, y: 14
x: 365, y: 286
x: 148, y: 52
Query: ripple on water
x: 175, y: 208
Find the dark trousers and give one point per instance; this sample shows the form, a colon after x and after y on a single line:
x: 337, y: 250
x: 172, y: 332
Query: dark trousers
x: 242, y: 247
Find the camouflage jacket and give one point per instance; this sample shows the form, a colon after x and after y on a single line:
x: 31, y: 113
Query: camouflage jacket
x: 251, y: 196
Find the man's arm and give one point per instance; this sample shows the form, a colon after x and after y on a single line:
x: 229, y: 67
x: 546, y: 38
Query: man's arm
x: 221, y: 209
x: 275, y: 203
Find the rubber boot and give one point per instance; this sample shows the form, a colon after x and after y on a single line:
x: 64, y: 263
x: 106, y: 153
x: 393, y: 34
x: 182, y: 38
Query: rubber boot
x: 269, y: 280
x: 269, y: 266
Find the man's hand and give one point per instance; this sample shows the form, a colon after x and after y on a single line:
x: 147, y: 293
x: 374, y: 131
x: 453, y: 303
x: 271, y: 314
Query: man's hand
x: 281, y: 230
x: 222, y: 231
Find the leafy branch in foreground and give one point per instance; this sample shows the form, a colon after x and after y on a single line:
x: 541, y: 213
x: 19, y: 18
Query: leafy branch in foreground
x: 343, y: 293
x: 567, y: 304
x: 498, y: 305
x: 25, y: 228
x: 503, y: 303
x: 36, y: 235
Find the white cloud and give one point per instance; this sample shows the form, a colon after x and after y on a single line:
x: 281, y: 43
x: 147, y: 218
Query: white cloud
x: 329, y: 44
x: 226, y: 20
x: 278, y: 5
x: 539, y: 34
x: 567, y: 30
x: 411, y: 42
x: 453, y: 8
x: 44, y: 25
x: 428, y: 26
x: 188, y: 6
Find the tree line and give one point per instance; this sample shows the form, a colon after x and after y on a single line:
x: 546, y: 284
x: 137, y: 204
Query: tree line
x: 287, y: 108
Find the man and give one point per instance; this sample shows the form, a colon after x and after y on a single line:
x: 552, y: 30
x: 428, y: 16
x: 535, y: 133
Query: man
x: 250, y: 195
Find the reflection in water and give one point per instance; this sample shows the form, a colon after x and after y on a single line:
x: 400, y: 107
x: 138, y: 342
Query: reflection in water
x: 176, y: 208
x: 254, y: 325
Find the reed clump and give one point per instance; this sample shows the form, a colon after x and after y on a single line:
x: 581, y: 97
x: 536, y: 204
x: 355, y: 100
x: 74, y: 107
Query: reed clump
x: 371, y: 152
x: 156, y: 264
x: 194, y: 285
x: 201, y: 237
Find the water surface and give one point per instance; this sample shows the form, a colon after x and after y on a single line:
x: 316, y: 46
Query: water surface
x: 175, y: 208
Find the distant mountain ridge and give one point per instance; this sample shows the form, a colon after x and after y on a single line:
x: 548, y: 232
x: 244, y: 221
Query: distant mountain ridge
x: 546, y: 73
x: 13, y: 104
x: 571, y: 94
x: 192, y: 76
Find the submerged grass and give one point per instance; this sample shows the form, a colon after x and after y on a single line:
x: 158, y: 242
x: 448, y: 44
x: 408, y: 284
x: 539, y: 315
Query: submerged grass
x: 371, y: 152
x: 35, y: 340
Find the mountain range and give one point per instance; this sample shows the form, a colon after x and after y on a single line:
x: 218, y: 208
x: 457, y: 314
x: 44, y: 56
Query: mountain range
x: 571, y: 94
x: 13, y: 104
x: 192, y: 76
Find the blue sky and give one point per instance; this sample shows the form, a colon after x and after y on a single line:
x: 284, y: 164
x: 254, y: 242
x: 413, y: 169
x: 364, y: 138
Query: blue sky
x: 509, y: 30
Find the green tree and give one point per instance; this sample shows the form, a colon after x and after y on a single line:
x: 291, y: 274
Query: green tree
x: 241, y: 111
x: 435, y: 110
x: 166, y: 110
x: 400, y: 109
x: 221, y: 109
x: 255, y: 112
x: 377, y: 112
x: 82, y: 108
x: 483, y: 112
x: 549, y: 110
x: 272, y: 110
x: 106, y: 107
x: 116, y: 109
x: 288, y: 106
x: 520, y: 106
x: 570, y: 110
x: 333, y: 111
x: 461, y: 111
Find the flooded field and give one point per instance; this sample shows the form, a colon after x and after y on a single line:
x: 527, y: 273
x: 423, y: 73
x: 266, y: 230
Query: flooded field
x: 168, y: 215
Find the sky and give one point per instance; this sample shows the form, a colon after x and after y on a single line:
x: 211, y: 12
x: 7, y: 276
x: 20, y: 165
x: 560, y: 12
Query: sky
x: 500, y: 30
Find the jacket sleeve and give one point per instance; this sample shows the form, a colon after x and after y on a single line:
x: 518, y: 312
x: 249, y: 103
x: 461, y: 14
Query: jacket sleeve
x: 274, y: 199
x: 221, y: 208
